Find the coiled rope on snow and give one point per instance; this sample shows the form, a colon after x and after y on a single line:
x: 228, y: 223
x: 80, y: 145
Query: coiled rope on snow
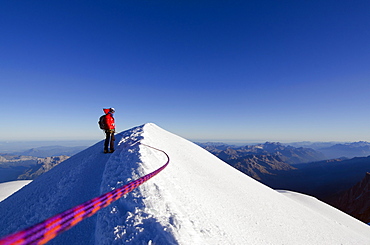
x: 48, y: 229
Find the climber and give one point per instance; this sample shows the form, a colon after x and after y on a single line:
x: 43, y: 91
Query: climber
x: 106, y: 122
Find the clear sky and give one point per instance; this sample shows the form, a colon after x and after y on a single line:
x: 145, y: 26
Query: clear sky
x: 205, y: 70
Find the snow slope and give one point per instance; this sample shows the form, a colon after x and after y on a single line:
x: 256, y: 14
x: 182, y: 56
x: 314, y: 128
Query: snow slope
x: 8, y: 188
x: 197, y: 199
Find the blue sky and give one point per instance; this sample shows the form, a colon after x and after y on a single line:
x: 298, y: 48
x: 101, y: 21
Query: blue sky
x: 205, y: 70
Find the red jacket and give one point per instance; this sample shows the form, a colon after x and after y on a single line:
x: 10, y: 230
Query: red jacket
x: 109, y: 119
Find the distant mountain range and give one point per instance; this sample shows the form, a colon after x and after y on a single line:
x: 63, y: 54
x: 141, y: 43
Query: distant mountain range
x: 337, y: 149
x: 33, y: 162
x: 288, y: 154
x: 12, y: 147
x: 349, y: 150
x: 42, y: 166
x: 13, y: 167
x: 49, y: 151
x: 263, y: 160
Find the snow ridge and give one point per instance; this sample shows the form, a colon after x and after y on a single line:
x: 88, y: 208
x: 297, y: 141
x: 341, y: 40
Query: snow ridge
x: 196, y: 199
x: 127, y: 220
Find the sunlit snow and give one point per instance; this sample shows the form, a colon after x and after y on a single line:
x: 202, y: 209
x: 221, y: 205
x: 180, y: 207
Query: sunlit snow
x: 197, y: 199
x: 8, y: 188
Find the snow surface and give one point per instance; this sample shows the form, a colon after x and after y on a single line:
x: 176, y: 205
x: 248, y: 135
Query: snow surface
x: 197, y: 199
x: 8, y: 188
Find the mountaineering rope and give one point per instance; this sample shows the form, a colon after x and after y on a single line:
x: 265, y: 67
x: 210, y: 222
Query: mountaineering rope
x: 48, y: 229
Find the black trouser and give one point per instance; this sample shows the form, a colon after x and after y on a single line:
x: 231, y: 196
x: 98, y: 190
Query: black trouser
x: 109, y: 139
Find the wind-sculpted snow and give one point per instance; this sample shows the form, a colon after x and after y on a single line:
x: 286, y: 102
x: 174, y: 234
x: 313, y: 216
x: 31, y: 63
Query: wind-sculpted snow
x: 196, y: 199
x: 127, y: 220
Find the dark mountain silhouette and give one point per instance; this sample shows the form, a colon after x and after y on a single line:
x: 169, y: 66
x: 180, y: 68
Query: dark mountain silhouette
x: 356, y: 200
x: 322, y: 179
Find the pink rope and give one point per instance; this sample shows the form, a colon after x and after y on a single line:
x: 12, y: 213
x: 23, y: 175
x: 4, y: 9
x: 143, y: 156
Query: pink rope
x: 48, y: 229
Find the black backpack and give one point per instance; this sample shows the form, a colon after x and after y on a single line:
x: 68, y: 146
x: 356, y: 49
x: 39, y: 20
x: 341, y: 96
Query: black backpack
x: 101, y: 122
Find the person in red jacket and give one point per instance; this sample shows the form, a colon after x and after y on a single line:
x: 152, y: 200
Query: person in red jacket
x: 110, y: 129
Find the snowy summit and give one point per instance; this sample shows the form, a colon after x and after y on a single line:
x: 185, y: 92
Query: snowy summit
x: 196, y: 199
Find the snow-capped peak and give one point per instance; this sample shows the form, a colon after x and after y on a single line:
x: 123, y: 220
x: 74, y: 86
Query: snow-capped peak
x: 197, y: 199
